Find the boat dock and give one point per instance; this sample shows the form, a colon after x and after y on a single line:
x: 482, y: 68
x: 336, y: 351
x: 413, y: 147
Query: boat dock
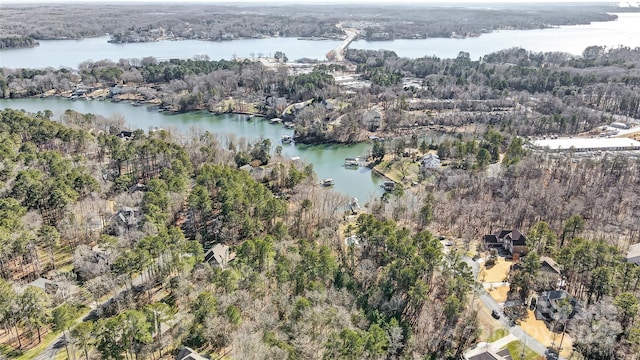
x: 356, y: 161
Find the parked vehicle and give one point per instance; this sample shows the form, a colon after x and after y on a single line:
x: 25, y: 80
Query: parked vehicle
x: 495, y: 314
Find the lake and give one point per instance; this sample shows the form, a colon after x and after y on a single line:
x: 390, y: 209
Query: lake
x: 70, y: 53
x: 327, y: 160
x: 571, y: 39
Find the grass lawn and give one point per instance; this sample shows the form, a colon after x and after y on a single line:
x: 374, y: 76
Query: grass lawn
x: 497, y: 334
x: 515, y: 349
x: 395, y: 169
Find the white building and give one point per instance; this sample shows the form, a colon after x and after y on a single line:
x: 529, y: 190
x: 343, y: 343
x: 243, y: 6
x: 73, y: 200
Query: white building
x: 620, y: 125
x: 633, y: 255
x: 584, y: 144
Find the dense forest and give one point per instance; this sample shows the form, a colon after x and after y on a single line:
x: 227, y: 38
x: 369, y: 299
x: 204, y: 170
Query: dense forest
x: 135, y: 23
x: 294, y: 290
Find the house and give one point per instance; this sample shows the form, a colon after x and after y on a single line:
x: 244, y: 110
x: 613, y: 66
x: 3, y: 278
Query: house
x: 372, y: 119
x: 187, y: 353
x: 549, y: 271
x: 219, y: 255
x: 516, y: 243
x: 511, y: 240
x: 549, y: 265
x: 137, y: 187
x: 491, y: 241
x: 553, y: 307
x: 633, y: 255
x: 328, y: 105
x: 127, y: 217
x: 126, y: 134
x: 431, y: 161
x: 277, y: 103
x: 486, y: 352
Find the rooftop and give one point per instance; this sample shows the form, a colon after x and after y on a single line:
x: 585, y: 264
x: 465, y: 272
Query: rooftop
x: 588, y: 144
x: 633, y: 255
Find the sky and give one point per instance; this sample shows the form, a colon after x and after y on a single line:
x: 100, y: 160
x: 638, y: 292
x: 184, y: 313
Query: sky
x: 305, y: 1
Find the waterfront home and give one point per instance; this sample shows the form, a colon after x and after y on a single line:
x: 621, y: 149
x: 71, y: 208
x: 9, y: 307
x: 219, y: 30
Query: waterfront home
x: 372, y: 119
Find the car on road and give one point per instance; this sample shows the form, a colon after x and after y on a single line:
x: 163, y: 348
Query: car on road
x: 551, y: 354
x: 448, y: 243
x: 495, y: 314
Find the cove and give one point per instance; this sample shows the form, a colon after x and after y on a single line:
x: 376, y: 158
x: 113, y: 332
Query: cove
x: 327, y: 160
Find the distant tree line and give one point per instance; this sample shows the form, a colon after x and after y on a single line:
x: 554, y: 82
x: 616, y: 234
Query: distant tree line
x: 124, y: 24
x: 17, y: 41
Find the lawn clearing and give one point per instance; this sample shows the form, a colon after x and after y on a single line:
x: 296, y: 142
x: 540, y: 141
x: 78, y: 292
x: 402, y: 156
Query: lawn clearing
x: 496, y: 273
x: 515, y: 349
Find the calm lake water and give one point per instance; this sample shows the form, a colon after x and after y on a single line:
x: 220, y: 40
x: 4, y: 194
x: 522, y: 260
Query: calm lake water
x: 327, y: 160
x: 570, y: 39
x: 70, y: 53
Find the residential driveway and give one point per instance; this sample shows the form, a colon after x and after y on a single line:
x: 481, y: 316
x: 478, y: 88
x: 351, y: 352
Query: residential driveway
x: 539, y: 330
x: 515, y: 330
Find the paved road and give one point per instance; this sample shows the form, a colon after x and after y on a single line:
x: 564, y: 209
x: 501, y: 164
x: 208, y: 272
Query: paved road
x: 338, y: 52
x: 491, y: 304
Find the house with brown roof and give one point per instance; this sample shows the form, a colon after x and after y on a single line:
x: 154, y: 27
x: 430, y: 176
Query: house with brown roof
x: 516, y: 243
x: 511, y: 240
